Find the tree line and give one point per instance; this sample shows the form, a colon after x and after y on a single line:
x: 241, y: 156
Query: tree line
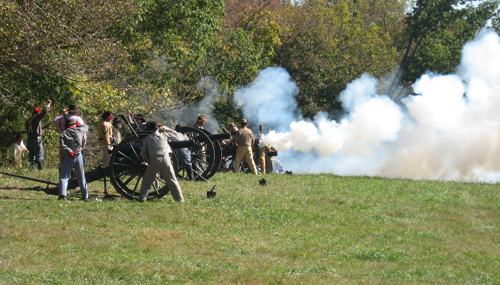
x: 148, y: 55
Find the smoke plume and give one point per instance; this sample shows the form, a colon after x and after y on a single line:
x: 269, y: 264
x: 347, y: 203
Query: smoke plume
x: 189, y: 113
x: 449, y: 131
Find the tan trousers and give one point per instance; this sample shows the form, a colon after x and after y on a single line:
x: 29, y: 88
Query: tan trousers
x: 244, y: 151
x: 262, y: 160
x: 105, y: 156
x: 163, y: 165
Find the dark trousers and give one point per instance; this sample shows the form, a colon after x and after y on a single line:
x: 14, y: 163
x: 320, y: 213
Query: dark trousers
x: 35, y: 148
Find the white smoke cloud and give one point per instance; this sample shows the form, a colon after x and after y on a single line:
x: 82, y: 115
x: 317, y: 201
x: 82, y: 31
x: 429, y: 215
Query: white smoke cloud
x: 269, y: 99
x: 189, y: 113
x: 450, y: 131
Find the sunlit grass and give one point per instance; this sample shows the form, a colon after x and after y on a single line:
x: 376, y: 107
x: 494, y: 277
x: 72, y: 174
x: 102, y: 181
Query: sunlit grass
x: 300, y: 229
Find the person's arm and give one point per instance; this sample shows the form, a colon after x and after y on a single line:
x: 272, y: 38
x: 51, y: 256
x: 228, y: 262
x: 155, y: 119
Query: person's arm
x: 62, y: 142
x: 132, y: 121
x: 24, y: 147
x: 45, y: 110
x: 168, y: 132
x: 84, y: 128
x: 236, y: 137
x: 56, y: 122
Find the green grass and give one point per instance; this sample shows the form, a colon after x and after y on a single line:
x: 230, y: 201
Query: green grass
x: 301, y: 229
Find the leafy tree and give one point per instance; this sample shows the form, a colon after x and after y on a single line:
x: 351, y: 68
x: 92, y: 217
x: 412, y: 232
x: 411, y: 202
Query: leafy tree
x: 100, y: 54
x: 168, y: 41
x: 44, y: 46
x: 247, y: 44
x: 435, y: 32
x: 327, y: 44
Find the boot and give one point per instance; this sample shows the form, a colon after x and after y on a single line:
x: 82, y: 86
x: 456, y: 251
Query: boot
x: 190, y: 173
x: 39, y: 164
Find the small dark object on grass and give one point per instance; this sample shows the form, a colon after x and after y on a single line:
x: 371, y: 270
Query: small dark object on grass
x: 211, y: 193
x: 288, y: 172
x: 264, y: 182
x: 109, y: 197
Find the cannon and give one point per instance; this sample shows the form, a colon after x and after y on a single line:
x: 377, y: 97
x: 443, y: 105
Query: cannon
x: 126, y: 167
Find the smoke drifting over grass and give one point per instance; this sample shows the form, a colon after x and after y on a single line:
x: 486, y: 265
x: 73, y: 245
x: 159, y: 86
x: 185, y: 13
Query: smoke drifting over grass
x: 449, y: 131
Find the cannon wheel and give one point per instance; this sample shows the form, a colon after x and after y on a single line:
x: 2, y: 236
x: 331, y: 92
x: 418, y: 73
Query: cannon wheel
x: 127, y: 168
x: 206, y: 155
x: 229, y: 154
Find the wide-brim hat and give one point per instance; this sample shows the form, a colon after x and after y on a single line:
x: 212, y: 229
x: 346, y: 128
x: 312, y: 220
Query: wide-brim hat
x: 73, y: 108
x: 202, y: 118
x: 71, y: 121
x: 232, y: 125
x: 243, y: 122
x: 107, y: 114
x: 152, y: 125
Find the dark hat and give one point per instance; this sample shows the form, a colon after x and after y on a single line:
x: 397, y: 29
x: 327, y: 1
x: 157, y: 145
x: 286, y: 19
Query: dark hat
x: 107, y: 114
x: 73, y: 108
x: 152, y: 125
x: 177, y: 127
x: 138, y: 116
x: 117, y: 120
x: 202, y: 118
x: 71, y: 121
x: 243, y: 122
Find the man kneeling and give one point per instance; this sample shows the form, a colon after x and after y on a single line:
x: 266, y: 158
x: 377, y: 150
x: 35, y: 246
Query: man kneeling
x: 156, y: 151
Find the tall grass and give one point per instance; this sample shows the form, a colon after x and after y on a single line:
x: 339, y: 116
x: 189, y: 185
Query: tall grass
x: 300, y: 229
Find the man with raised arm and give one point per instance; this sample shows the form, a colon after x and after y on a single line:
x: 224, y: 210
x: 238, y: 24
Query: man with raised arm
x: 34, y: 130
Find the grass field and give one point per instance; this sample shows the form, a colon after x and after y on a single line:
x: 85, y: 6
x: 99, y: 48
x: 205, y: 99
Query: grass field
x: 300, y: 229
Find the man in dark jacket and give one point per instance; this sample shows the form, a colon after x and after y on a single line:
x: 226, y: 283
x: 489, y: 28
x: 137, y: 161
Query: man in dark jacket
x: 70, y: 142
x: 34, y: 130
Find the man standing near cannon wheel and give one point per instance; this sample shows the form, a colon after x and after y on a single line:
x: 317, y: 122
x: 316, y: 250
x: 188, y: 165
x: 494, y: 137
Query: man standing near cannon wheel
x: 244, y: 139
x: 70, y: 142
x: 105, y: 134
x: 156, y: 151
x: 183, y: 153
x: 34, y: 130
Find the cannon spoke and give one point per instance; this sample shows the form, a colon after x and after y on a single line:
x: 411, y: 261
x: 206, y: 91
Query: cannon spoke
x: 130, y: 179
x: 137, y: 183
x: 126, y: 156
x: 133, y: 149
x: 200, y: 160
x: 154, y: 186
x: 122, y: 164
x: 122, y: 174
x: 164, y: 182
